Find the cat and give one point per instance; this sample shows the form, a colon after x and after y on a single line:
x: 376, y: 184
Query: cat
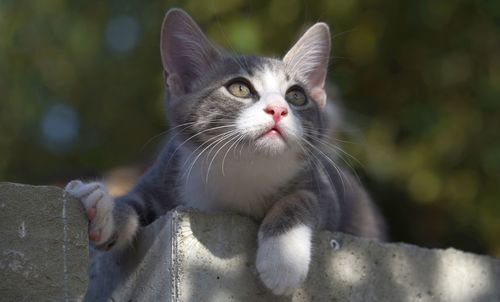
x: 248, y: 135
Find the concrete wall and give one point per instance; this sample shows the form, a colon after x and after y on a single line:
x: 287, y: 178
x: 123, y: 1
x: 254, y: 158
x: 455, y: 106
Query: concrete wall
x: 43, y: 245
x: 190, y: 256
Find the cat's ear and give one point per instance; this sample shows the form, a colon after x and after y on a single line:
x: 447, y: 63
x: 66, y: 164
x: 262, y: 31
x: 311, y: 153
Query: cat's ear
x: 186, y: 53
x: 308, y: 60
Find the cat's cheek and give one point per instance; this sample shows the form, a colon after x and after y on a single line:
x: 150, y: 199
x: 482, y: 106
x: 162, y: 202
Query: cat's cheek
x: 283, y: 261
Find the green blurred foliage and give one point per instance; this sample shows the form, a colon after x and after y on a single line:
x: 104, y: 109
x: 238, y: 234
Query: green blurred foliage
x: 420, y: 79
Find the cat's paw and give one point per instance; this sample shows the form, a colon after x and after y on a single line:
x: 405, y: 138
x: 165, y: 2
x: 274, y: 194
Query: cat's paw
x: 283, y: 260
x: 98, y: 206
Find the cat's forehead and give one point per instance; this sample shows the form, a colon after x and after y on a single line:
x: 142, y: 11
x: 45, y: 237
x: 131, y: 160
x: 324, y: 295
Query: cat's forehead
x: 270, y: 80
x: 267, y: 74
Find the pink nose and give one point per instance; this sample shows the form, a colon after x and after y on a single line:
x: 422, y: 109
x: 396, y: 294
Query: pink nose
x: 276, y: 111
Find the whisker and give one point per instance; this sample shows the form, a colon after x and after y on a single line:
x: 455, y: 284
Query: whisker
x: 165, y: 133
x: 230, y: 138
x: 238, y: 139
x: 208, y: 141
x: 195, y: 135
x: 231, y: 118
x: 339, y: 172
x: 318, y: 164
x: 317, y: 132
x: 206, y: 148
x: 336, y: 148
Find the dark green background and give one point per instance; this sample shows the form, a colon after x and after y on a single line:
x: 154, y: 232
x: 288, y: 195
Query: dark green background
x: 420, y: 81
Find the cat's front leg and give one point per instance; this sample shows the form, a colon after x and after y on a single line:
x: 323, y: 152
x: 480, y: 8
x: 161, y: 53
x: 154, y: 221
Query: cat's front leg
x: 285, y: 235
x: 111, y: 223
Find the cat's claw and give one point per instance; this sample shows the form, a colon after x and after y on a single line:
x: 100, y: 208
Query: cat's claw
x: 95, y: 235
x: 98, y: 206
x: 91, y: 213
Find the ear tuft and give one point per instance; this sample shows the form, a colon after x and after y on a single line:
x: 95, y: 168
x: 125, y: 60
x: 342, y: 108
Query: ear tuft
x: 186, y: 53
x: 308, y: 59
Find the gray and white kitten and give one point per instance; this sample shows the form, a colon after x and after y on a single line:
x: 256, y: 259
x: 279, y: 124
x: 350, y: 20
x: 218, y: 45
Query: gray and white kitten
x: 248, y: 135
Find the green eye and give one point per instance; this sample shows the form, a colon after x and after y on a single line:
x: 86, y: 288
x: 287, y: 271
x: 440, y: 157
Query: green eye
x: 296, y: 96
x: 239, y: 89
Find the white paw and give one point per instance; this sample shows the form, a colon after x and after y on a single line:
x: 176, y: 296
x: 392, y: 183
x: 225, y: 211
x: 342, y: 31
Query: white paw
x: 99, y: 207
x: 283, y: 261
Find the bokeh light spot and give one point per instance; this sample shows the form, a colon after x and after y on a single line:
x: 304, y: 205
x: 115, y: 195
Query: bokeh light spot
x: 122, y: 33
x: 59, y: 127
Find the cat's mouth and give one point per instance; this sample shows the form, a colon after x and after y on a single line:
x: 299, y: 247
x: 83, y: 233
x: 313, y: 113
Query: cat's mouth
x: 271, y: 140
x: 273, y: 132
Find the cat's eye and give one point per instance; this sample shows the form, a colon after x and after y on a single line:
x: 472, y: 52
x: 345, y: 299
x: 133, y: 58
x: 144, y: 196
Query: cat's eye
x: 240, y: 89
x: 296, y: 96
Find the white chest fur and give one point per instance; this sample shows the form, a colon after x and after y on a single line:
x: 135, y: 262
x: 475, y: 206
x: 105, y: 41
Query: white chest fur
x: 240, y: 182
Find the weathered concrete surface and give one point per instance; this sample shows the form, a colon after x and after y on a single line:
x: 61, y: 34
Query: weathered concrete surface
x: 189, y: 256
x: 144, y: 272
x: 43, y: 245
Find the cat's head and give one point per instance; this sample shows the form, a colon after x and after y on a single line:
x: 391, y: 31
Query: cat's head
x: 266, y: 105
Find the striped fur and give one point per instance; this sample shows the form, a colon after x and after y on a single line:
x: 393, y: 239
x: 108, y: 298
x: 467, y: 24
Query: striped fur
x: 219, y: 156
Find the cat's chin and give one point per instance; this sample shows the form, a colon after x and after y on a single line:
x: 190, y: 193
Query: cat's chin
x: 271, y: 145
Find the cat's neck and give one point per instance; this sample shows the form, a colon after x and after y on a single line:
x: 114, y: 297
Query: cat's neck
x: 238, y: 181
